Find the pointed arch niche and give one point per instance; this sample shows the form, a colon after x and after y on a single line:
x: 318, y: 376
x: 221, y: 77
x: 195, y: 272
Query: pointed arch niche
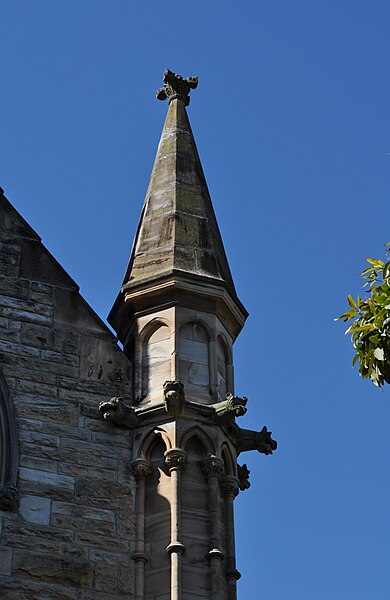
x: 194, y: 360
x: 8, y: 451
x: 156, y: 358
x: 224, y: 368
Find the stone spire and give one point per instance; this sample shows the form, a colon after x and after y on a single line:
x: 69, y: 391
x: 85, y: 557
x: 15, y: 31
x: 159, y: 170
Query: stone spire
x: 178, y: 231
x: 178, y: 236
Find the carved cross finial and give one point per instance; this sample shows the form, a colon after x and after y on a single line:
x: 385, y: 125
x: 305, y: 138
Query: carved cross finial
x: 176, y: 87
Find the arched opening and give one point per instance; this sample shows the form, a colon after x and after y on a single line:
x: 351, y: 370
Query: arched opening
x: 194, y: 369
x: 8, y: 451
x: 195, y: 523
x: 156, y: 359
x: 224, y: 369
x: 157, y: 521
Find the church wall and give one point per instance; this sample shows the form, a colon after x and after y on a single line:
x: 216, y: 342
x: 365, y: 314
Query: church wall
x: 71, y: 537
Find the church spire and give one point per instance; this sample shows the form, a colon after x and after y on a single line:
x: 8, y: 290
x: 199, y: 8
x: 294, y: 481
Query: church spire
x: 178, y: 231
x: 178, y: 238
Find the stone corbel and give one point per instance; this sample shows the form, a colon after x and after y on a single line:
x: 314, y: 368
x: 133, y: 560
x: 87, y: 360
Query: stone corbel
x: 9, y: 498
x: 174, y: 397
x: 256, y: 440
x: 116, y: 411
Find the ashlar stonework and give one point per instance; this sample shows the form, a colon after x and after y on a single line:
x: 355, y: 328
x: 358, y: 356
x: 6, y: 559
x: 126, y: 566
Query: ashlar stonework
x: 118, y: 469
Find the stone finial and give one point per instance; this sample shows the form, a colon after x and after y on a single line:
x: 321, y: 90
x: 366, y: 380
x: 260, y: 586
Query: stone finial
x: 176, y: 87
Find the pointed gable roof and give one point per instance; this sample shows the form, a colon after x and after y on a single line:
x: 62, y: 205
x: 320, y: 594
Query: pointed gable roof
x: 178, y: 231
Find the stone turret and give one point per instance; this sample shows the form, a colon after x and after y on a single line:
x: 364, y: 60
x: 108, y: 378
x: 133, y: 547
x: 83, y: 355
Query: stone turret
x: 177, y: 316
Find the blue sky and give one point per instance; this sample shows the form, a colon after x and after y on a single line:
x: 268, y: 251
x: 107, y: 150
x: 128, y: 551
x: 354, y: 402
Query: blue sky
x: 291, y: 118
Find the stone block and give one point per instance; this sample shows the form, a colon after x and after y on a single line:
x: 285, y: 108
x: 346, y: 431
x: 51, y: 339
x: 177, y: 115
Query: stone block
x: 106, y: 578
x: 61, y: 570
x: 82, y: 512
x: 35, y: 462
x: 21, y: 529
x: 104, y: 474
x: 5, y: 561
x: 104, y: 542
x: 52, y: 479
x: 16, y: 589
x: 35, y: 509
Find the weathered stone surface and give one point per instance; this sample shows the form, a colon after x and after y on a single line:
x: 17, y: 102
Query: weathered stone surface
x: 5, y: 561
x: 35, y: 509
x: 17, y: 589
x: 63, y: 570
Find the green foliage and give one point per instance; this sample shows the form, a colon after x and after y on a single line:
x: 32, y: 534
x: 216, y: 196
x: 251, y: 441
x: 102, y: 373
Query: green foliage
x: 370, y: 327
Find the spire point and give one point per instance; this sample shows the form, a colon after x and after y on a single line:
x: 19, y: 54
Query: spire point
x: 175, y: 86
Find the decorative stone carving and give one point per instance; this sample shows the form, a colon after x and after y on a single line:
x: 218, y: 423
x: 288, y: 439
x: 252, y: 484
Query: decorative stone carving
x: 232, y: 406
x: 175, y: 458
x: 212, y: 466
x: 116, y: 411
x: 176, y: 87
x: 230, y: 486
x: 141, y: 468
x: 173, y: 396
x: 243, y: 477
x: 9, y: 498
x: 256, y: 440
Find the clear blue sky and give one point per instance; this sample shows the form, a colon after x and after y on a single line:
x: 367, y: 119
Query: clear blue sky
x: 291, y: 118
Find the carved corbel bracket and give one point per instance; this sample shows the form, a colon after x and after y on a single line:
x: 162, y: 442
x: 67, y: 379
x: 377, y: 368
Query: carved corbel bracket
x: 256, y: 440
x: 174, y: 396
x: 116, y: 411
x: 9, y: 498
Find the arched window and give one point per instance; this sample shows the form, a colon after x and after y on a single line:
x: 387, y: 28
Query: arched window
x: 223, y: 369
x: 156, y: 359
x: 194, y: 358
x: 8, y: 451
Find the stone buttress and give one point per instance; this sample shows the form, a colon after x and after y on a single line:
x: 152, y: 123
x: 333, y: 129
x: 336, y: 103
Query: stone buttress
x: 177, y: 316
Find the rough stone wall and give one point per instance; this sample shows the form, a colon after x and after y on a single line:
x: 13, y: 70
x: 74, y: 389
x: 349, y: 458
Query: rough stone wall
x: 72, y: 535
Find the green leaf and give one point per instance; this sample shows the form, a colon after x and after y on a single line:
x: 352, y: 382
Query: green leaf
x: 351, y: 301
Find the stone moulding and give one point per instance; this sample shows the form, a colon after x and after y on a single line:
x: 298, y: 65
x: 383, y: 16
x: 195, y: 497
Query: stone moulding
x: 9, y: 498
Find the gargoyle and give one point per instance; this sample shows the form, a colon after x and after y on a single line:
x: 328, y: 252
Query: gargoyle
x: 173, y: 396
x: 116, y: 411
x: 232, y: 406
x: 256, y: 440
x: 243, y: 477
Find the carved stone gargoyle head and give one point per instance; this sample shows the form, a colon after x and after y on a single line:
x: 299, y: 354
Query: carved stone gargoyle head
x: 173, y: 395
x: 236, y: 404
x: 116, y: 411
x: 265, y: 443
